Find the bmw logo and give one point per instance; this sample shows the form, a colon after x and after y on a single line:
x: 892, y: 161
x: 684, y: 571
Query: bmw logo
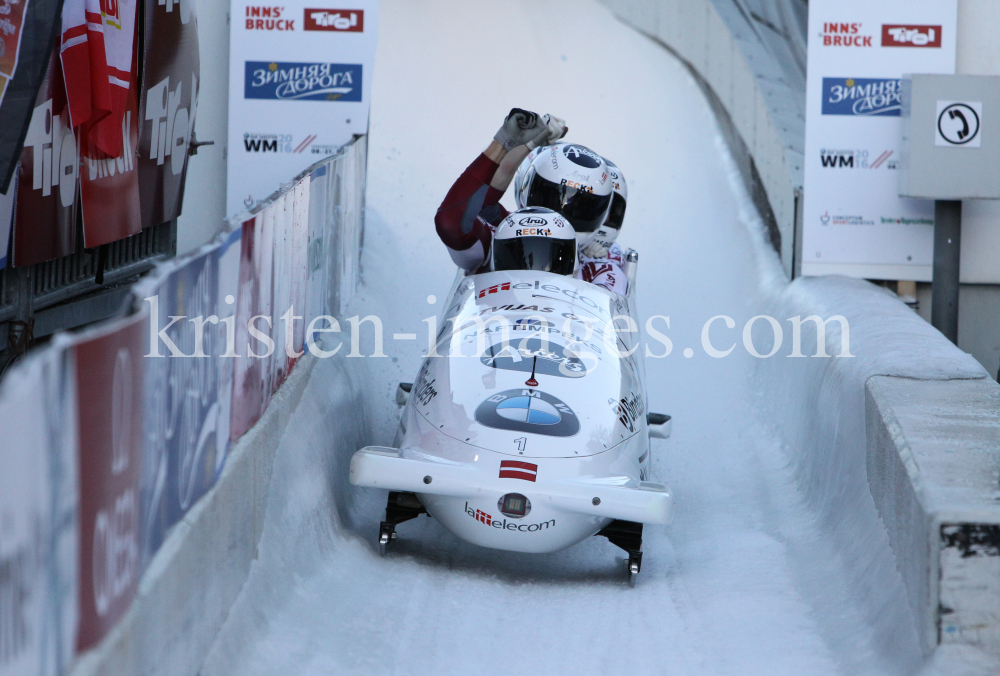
x: 525, y: 410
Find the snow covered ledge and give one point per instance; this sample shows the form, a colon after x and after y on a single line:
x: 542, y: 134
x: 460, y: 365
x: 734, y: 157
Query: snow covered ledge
x: 934, y: 473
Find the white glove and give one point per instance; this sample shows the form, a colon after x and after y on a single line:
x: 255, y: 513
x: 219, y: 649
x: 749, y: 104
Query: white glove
x: 555, y: 129
x: 602, y: 243
x: 520, y: 128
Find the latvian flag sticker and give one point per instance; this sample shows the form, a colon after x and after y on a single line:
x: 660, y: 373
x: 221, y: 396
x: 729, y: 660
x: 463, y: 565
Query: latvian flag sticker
x: 515, y: 469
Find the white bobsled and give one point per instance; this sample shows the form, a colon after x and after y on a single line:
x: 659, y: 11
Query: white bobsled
x: 527, y: 429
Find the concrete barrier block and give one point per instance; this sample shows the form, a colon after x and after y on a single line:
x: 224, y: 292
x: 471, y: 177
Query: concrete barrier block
x: 933, y: 465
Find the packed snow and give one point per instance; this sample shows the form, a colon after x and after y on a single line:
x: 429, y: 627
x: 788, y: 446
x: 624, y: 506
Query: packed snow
x: 776, y: 562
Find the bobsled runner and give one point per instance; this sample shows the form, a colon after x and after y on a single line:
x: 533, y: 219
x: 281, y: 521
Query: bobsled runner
x: 526, y: 428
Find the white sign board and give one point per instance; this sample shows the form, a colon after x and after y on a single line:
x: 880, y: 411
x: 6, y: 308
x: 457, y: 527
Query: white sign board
x: 300, y: 80
x: 854, y: 222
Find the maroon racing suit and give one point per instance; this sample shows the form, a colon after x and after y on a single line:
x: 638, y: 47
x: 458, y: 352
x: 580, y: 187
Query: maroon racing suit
x: 469, y: 214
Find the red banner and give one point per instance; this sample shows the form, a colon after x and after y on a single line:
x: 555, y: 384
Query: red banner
x: 109, y: 186
x: 11, y: 29
x: 45, y: 219
x: 109, y: 373
x: 169, y: 104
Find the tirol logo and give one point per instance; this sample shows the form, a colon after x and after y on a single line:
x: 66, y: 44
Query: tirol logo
x: 582, y: 156
x: 525, y: 410
x: 503, y: 524
x: 534, y: 354
x: 861, y: 96
x: 899, y: 35
x: 341, y: 20
x: 302, y: 81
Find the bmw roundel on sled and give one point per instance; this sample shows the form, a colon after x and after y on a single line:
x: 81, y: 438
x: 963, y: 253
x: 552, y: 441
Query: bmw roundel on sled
x: 529, y: 432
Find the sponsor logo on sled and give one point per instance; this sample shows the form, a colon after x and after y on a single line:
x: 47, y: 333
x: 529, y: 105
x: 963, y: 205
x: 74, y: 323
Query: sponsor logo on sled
x: 302, y: 81
x: 339, y: 20
x: 542, y: 356
x: 515, y: 469
x: 861, y: 96
x: 526, y: 410
x: 503, y: 524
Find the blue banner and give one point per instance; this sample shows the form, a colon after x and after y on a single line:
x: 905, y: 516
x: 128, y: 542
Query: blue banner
x: 861, y: 96
x: 302, y: 81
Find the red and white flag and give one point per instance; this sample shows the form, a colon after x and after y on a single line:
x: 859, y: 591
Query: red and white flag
x: 96, y: 53
x: 515, y: 469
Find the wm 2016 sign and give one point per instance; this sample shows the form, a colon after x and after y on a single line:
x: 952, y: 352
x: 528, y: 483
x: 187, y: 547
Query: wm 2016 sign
x: 854, y: 222
x: 300, y: 74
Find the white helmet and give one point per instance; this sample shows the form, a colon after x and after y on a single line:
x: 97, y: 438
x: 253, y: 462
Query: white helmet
x: 572, y: 180
x: 534, y: 238
x: 606, y: 235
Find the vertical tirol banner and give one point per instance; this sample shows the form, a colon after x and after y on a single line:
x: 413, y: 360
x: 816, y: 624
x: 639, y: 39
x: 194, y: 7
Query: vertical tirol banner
x: 45, y: 218
x: 854, y: 222
x: 109, y: 376
x: 168, y: 105
x: 300, y: 79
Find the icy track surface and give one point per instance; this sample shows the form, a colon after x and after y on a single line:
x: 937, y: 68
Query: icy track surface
x: 742, y: 582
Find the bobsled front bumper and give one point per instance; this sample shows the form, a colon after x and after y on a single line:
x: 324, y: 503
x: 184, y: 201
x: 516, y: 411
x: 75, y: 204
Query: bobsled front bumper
x: 383, y: 467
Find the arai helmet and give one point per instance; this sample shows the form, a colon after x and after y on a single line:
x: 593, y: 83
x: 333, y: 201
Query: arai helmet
x: 534, y: 238
x: 606, y: 235
x: 572, y: 180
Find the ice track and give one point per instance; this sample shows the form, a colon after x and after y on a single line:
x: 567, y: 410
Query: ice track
x: 745, y: 581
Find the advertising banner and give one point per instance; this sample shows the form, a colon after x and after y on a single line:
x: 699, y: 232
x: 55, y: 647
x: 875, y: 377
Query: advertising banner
x: 188, y: 383
x: 35, y: 44
x: 299, y: 88
x: 45, y: 218
x: 11, y: 28
x: 38, y: 489
x: 318, y: 277
x: 251, y: 376
x: 109, y: 186
x: 6, y: 223
x: 168, y: 105
x: 109, y: 376
x: 854, y: 222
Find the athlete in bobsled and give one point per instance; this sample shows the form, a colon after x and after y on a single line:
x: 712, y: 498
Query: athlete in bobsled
x: 570, y: 179
x: 542, y: 438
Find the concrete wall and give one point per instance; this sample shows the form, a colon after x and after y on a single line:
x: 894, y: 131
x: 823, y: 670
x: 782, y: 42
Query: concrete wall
x: 765, y: 106
x: 933, y: 467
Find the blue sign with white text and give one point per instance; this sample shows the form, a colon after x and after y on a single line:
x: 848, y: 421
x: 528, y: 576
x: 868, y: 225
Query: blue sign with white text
x: 861, y: 96
x: 302, y: 81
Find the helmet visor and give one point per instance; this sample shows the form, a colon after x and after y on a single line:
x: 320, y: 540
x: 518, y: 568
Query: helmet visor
x: 584, y: 210
x: 544, y: 254
x: 617, y: 213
